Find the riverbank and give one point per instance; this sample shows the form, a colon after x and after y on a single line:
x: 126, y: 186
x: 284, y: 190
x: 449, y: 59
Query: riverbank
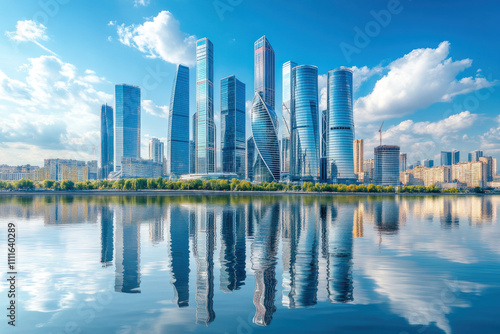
x: 167, y: 192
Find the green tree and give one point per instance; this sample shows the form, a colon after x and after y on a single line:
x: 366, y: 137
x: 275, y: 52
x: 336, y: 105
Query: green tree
x: 67, y: 185
x: 128, y: 185
x: 152, y: 184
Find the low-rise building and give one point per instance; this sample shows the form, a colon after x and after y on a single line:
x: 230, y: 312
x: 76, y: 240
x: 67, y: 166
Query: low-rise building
x: 140, y: 168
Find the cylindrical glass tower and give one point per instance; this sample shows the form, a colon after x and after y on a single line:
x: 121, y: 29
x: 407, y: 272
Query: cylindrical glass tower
x: 305, y: 123
x: 341, y: 124
x: 387, y: 165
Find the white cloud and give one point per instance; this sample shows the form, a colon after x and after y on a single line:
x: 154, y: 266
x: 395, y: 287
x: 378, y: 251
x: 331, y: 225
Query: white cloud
x: 151, y: 108
x: 322, y: 84
x: 416, y: 81
x: 29, y: 31
x: 362, y: 74
x: 54, y: 111
x: 160, y: 37
x: 420, y: 139
x: 138, y: 3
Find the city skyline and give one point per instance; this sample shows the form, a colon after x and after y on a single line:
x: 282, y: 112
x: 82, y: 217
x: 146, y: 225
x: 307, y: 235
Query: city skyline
x: 462, y: 110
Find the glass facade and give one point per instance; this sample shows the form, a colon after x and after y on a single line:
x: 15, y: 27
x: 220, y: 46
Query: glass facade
x: 403, y: 162
x: 387, y: 165
x: 324, y: 134
x: 265, y: 134
x: 127, y: 139
x: 341, y: 123
x: 446, y: 158
x: 305, y: 135
x: 250, y: 158
x: 455, y: 157
x: 178, y: 124
x: 233, y: 126
x: 156, y: 150
x: 205, y: 128
x: 107, y: 135
x: 264, y: 71
x: 286, y: 140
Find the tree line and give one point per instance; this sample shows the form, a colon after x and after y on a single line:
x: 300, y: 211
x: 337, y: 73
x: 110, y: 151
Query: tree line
x: 219, y: 185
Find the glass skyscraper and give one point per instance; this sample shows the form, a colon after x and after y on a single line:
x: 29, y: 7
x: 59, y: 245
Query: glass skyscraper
x: 445, y: 158
x: 127, y: 117
x: 264, y: 71
x: 286, y: 140
x: 107, y: 135
x: 387, y: 165
x: 305, y: 134
x: 266, y: 167
x: 324, y: 134
x: 178, y: 124
x: 156, y: 150
x: 341, y: 123
x: 233, y: 126
x: 250, y: 158
x: 205, y: 129
x: 264, y: 122
x: 403, y: 162
x: 455, y: 157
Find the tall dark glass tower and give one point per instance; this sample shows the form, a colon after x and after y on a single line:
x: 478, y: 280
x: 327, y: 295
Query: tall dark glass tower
x: 264, y: 73
x: 304, y: 123
x: 107, y: 144
x: 265, y: 124
x: 205, y: 136
x: 286, y: 141
x: 233, y: 126
x: 127, y: 138
x: 341, y: 123
x: 178, y: 124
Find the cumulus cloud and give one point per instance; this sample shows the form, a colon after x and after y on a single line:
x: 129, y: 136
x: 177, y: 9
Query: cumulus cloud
x: 160, y: 37
x: 29, y: 31
x: 54, y: 110
x: 416, y: 81
x: 151, y: 108
x: 421, y: 139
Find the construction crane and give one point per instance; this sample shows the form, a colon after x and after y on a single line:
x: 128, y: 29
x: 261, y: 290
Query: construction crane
x: 380, y: 131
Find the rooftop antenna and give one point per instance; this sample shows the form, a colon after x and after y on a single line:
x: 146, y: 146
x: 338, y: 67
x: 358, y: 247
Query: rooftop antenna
x: 93, y: 148
x: 380, y: 131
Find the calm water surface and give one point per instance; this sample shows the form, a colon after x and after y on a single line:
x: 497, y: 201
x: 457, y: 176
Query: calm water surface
x: 251, y: 264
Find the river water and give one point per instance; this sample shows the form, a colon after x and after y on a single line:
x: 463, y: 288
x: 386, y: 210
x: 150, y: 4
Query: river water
x: 251, y: 264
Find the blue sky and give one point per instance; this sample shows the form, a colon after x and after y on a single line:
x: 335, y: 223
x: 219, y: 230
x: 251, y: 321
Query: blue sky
x: 428, y: 69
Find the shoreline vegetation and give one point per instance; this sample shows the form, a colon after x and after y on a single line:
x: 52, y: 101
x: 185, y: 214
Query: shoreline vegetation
x: 213, y: 186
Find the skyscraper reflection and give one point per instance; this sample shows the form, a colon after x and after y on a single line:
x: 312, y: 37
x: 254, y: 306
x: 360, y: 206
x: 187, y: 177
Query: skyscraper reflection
x: 264, y: 250
x: 339, y: 261
x: 156, y: 230
x: 204, y: 245
x: 300, y: 256
x: 179, y: 254
x: 106, y: 236
x: 232, y: 272
x: 127, y: 244
x: 386, y: 214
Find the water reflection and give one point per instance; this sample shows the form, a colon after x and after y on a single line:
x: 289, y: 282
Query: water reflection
x: 106, y: 236
x: 264, y: 260
x: 204, y: 246
x: 128, y: 246
x: 179, y: 254
x: 287, y: 252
